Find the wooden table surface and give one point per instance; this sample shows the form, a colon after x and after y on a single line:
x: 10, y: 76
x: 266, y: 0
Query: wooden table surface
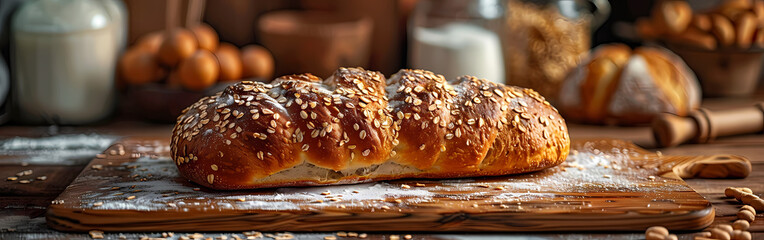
x: 22, y: 206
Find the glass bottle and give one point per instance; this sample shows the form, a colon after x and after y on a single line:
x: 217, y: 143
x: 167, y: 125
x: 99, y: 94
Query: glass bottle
x: 64, y: 53
x: 458, y: 37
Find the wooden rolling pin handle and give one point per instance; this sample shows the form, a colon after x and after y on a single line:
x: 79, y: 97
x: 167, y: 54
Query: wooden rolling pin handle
x: 671, y: 130
x: 704, y: 125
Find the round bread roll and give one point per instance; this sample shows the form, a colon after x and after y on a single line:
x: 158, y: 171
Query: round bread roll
x: 672, y: 16
x: 357, y: 126
x: 616, y: 85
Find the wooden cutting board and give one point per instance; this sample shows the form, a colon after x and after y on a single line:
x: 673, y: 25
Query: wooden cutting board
x: 604, y: 185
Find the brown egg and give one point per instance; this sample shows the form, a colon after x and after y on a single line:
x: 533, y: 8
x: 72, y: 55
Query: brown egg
x: 230, y: 62
x: 206, y: 36
x: 199, y: 71
x: 177, y: 45
x: 139, y: 66
x: 256, y: 62
x: 150, y: 42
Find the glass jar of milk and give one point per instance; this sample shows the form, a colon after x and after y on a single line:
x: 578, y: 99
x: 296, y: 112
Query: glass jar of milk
x: 64, y: 54
x: 458, y: 37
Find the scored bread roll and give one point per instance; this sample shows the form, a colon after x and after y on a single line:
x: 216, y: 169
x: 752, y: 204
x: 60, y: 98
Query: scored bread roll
x: 730, y: 8
x: 620, y: 86
x: 672, y: 16
x: 695, y: 38
x: 723, y: 29
x: 604, y: 68
x: 745, y: 27
x: 701, y: 22
x: 356, y: 126
x: 732, y: 24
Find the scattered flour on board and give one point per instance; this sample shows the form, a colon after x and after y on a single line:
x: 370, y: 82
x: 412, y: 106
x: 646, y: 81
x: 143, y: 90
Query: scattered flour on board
x: 585, y: 171
x: 58, y: 149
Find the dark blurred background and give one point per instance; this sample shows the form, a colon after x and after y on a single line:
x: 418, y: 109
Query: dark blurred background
x: 86, y: 61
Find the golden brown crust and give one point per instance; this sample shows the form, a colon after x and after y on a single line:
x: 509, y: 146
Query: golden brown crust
x: 604, y: 69
x: 420, y: 103
x: 665, y: 75
x: 617, y: 85
x: 356, y: 126
x: 672, y: 16
x: 723, y: 29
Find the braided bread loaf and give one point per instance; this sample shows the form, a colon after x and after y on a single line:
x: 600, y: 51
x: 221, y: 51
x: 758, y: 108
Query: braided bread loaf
x: 356, y: 126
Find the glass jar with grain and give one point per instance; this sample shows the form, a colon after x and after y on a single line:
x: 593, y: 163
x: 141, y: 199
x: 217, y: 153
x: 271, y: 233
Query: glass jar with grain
x: 546, y: 38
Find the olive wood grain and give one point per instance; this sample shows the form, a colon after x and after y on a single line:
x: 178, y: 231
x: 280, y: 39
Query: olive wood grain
x: 605, y: 185
x: 715, y: 166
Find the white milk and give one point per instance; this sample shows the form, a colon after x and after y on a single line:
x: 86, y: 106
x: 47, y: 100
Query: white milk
x: 64, y: 57
x: 458, y: 49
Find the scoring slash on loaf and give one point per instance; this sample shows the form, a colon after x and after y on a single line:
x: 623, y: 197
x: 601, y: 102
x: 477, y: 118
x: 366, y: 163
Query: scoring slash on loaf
x: 356, y: 126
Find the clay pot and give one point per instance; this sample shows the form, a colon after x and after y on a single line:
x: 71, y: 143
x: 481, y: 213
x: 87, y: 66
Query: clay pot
x: 724, y: 73
x: 315, y: 42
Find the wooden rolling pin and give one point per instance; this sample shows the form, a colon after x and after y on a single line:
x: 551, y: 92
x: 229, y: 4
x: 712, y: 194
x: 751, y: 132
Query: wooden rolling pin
x: 704, y: 125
